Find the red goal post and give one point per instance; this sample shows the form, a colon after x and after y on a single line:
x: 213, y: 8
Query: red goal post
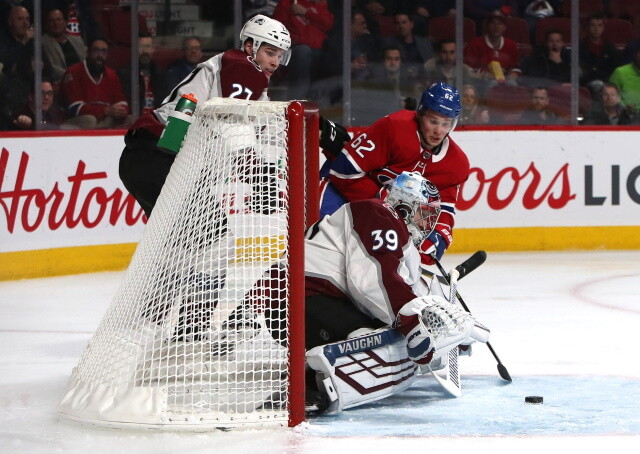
x: 182, y: 345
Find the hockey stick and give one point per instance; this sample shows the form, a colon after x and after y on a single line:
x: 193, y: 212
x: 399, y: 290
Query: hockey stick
x: 502, y: 370
x: 473, y: 262
x: 449, y: 377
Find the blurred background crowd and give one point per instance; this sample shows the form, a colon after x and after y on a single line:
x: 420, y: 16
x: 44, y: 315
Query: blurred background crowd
x: 73, y: 64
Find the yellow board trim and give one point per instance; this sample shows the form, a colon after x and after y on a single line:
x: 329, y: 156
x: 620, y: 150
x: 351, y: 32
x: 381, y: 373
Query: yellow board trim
x: 89, y: 259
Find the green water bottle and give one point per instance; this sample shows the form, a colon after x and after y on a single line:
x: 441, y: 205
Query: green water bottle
x: 178, y: 124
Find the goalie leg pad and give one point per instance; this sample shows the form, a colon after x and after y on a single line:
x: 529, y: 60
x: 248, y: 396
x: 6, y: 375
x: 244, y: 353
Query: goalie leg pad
x: 362, y: 369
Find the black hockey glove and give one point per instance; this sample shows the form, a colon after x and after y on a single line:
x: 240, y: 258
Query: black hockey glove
x: 333, y: 136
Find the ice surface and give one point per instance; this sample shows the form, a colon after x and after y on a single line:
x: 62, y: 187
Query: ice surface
x: 564, y: 323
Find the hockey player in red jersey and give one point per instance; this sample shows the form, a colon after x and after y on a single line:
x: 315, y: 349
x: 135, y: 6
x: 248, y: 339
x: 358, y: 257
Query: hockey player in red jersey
x: 404, y: 141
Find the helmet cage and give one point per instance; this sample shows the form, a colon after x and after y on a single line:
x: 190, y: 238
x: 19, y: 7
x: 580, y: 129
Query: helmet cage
x: 417, y: 201
x: 264, y: 30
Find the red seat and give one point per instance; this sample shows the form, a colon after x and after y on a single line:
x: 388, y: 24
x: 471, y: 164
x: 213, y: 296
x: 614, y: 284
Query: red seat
x: 518, y: 31
x: 445, y: 28
x: 507, y: 102
x: 619, y: 32
x: 560, y: 24
x: 387, y: 26
x: 624, y: 9
x: 119, y: 26
x: 586, y: 7
x: 560, y: 100
x: 164, y: 56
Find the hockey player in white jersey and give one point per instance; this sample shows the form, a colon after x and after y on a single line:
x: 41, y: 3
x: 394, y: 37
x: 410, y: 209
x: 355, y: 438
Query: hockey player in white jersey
x: 370, y: 321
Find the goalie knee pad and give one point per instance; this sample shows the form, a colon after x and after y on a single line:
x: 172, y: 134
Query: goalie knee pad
x: 362, y: 369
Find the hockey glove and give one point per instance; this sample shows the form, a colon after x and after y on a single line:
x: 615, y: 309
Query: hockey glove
x: 436, y: 243
x: 420, y: 345
x: 333, y: 136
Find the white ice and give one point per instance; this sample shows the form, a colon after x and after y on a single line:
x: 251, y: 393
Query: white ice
x: 565, y: 324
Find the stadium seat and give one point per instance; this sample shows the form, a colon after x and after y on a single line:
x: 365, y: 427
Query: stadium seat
x: 560, y: 100
x: 518, y: 31
x: 586, y: 7
x: 118, y: 56
x: 507, y: 102
x: 561, y: 24
x: 624, y: 9
x: 619, y: 32
x: 387, y: 26
x: 119, y: 31
x: 445, y: 28
x: 164, y: 56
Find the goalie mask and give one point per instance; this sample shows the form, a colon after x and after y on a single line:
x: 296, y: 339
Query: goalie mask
x: 417, y: 200
x: 263, y: 29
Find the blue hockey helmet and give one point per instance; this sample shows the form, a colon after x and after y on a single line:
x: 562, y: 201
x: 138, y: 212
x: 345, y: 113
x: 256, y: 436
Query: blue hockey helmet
x: 442, y: 99
x: 417, y: 200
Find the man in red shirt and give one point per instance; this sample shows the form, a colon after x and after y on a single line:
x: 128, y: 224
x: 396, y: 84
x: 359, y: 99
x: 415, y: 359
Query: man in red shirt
x: 404, y: 141
x: 93, y: 92
x: 491, y: 47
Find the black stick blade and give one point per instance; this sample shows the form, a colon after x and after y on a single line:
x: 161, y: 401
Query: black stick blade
x: 471, y: 263
x: 504, y: 373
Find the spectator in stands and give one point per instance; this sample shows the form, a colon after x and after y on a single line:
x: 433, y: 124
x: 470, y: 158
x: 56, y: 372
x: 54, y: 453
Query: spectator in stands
x: 16, y: 88
x: 416, y: 50
x: 152, y: 83
x: 390, y: 85
x: 372, y: 10
x: 93, y: 93
x: 59, y: 49
x: 481, y: 10
x: 423, y: 10
x: 611, y: 111
x: 192, y: 55
x: 549, y: 64
x: 473, y: 113
x: 308, y: 21
x: 538, y: 113
x: 16, y: 42
x: 442, y: 68
x: 492, y: 55
x: 53, y: 116
x: 627, y: 78
x: 598, y: 57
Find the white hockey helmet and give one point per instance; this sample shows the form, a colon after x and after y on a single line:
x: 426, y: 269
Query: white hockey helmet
x: 417, y: 200
x: 263, y: 29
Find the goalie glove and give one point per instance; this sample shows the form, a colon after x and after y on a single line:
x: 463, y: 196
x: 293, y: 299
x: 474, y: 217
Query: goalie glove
x: 435, y: 243
x: 433, y: 326
x: 333, y: 136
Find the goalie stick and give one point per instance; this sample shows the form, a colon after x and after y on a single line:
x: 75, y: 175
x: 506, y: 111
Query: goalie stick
x: 449, y: 376
x: 502, y: 370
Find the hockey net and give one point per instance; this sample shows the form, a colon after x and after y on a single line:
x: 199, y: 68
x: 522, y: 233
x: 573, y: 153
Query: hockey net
x: 181, y: 345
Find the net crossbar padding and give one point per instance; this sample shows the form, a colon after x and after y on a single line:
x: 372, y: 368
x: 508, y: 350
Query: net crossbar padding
x: 185, y: 344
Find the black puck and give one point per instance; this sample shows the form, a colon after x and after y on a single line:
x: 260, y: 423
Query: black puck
x: 533, y: 399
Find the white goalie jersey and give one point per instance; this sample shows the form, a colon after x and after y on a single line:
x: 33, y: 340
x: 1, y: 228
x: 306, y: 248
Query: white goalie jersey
x: 363, y: 253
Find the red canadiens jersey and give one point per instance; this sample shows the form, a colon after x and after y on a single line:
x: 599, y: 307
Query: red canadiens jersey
x: 479, y: 54
x: 88, y: 96
x: 231, y: 74
x: 363, y: 253
x: 392, y: 145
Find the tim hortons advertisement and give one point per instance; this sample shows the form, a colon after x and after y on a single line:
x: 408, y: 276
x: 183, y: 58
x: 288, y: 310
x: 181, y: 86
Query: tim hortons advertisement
x: 65, y: 191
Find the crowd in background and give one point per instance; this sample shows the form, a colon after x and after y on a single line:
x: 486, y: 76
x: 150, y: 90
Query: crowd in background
x: 516, y: 62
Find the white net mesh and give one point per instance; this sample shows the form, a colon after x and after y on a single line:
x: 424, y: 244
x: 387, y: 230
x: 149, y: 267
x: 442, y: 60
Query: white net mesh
x: 182, y: 345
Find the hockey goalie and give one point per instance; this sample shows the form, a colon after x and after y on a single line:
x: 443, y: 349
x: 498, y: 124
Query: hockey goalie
x: 371, y: 323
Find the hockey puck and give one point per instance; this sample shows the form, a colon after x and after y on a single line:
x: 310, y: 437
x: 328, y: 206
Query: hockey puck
x: 533, y: 399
